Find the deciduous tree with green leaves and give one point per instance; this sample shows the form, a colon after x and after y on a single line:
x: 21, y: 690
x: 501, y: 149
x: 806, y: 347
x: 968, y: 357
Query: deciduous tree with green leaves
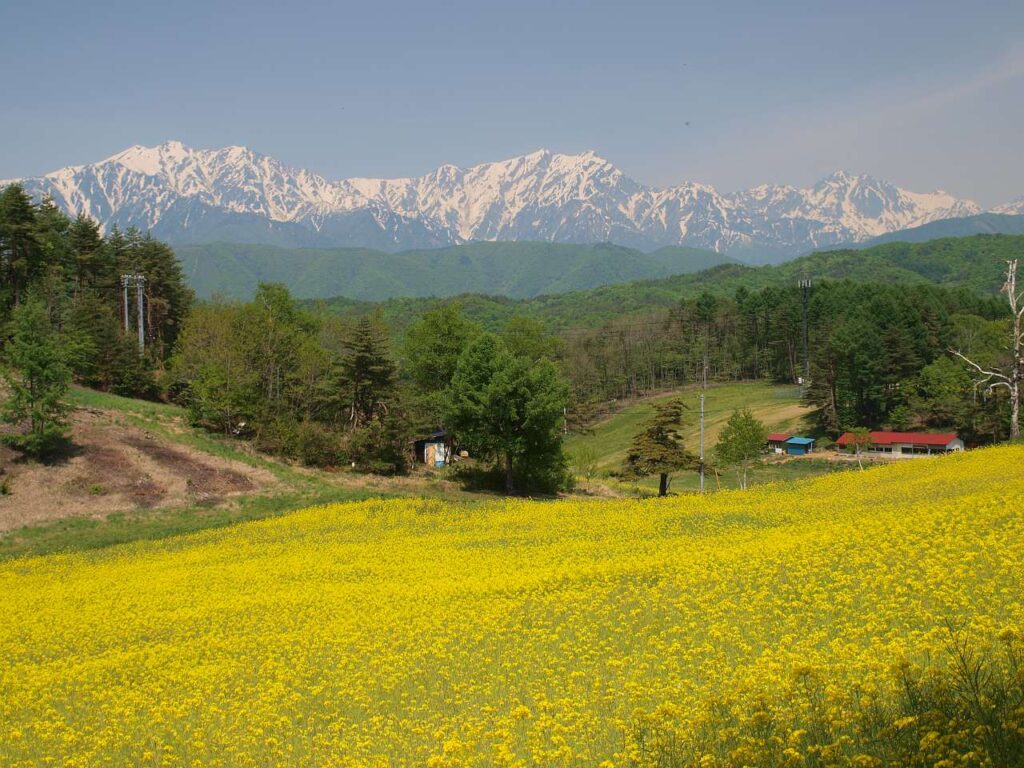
x: 860, y: 440
x: 741, y: 443
x: 508, y: 408
x: 433, y: 345
x: 658, y: 448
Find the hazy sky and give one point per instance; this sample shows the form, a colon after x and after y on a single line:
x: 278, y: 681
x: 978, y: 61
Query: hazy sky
x: 926, y: 94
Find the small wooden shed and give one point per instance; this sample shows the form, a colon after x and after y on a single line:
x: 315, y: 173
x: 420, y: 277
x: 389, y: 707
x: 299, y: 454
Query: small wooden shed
x: 798, y: 446
x: 433, y: 450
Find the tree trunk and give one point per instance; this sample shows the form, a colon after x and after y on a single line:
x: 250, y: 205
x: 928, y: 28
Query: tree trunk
x: 1015, y: 411
x: 509, y: 484
x: 663, y: 485
x: 1017, y: 349
x: 998, y: 377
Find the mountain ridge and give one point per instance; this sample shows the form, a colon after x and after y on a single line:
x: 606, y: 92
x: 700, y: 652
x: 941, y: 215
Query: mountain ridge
x: 185, y: 195
x: 513, y: 269
x: 975, y: 263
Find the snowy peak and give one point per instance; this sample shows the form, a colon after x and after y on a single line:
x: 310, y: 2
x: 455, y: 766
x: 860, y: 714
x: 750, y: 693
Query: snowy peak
x: 1012, y: 208
x: 194, y: 195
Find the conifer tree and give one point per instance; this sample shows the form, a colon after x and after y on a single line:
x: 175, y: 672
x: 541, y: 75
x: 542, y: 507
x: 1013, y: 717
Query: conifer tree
x: 37, y: 381
x: 367, y: 373
x: 167, y: 295
x: 658, y: 448
x: 87, y: 254
x: 21, y: 256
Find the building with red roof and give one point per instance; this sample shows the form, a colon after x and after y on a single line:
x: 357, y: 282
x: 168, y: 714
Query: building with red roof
x: 906, y: 444
x: 777, y: 441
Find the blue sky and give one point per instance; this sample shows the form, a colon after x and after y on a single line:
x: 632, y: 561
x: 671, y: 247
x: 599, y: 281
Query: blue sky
x: 926, y: 94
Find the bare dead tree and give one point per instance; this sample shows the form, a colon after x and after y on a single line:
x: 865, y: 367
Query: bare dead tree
x: 1009, y: 377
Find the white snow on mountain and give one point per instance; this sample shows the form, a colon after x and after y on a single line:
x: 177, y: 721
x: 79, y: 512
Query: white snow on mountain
x: 1013, y: 208
x: 185, y: 194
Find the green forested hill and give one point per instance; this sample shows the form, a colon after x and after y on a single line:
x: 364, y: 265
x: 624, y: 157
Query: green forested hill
x: 975, y: 263
x: 516, y: 269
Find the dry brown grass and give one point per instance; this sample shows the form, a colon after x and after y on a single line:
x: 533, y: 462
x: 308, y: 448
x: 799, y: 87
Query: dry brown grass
x: 117, y: 467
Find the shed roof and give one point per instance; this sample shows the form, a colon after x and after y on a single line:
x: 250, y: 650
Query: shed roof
x: 801, y: 440
x: 912, y: 438
x: 778, y: 437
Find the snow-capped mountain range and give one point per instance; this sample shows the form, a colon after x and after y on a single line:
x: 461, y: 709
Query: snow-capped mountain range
x: 1012, y: 208
x: 186, y: 195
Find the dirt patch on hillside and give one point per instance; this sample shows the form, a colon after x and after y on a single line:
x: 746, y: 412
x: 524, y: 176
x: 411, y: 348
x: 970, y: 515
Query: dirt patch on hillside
x: 202, y: 479
x: 114, y: 467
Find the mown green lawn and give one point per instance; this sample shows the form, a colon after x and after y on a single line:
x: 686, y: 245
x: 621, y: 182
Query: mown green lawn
x: 777, y: 406
x: 605, y: 446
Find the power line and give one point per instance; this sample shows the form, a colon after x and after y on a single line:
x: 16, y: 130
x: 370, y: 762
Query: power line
x: 139, y: 283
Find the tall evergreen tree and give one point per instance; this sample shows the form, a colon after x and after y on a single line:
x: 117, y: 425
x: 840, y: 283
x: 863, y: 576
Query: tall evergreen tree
x: 658, y: 449
x: 21, y: 254
x: 87, y: 254
x: 37, y: 381
x: 167, y: 295
x: 367, y: 373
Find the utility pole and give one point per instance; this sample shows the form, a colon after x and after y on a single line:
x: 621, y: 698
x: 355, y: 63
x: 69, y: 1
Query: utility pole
x: 702, y: 442
x: 805, y: 290
x: 125, y: 279
x: 139, y: 282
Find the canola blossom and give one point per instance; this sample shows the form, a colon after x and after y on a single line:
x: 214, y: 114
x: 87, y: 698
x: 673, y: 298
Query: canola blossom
x: 509, y: 633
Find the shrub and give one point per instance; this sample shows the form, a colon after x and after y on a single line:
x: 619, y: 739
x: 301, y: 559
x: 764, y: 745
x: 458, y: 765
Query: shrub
x: 379, y: 447
x: 315, y: 445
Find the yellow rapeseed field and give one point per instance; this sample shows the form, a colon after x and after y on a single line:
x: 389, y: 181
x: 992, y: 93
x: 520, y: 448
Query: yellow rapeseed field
x: 516, y: 633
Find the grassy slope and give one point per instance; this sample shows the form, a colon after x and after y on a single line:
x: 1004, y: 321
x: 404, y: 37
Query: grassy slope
x: 777, y: 406
x: 297, y: 487
x: 518, y: 269
x: 976, y: 263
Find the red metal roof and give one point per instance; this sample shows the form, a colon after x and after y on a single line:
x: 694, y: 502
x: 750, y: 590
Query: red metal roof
x: 778, y: 437
x: 913, y: 438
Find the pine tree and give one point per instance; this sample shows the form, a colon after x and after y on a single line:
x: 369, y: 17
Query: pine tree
x: 658, y: 449
x: 37, y: 383
x: 367, y: 373
x: 21, y: 255
x: 87, y: 254
x: 167, y: 295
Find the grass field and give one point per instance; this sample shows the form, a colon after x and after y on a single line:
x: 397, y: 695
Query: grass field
x: 784, y: 625
x: 778, y: 407
x: 93, y: 499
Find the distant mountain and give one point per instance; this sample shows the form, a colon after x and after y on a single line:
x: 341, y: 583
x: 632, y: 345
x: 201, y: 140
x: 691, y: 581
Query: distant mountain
x: 982, y: 224
x: 518, y: 270
x: 1013, y: 208
x: 186, y: 195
